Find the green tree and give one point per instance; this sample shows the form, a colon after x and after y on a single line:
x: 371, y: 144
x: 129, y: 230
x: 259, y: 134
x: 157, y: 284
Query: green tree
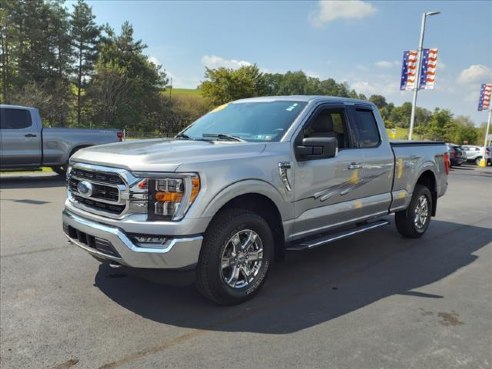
x: 225, y: 84
x: 378, y: 100
x: 85, y: 36
x: 36, y: 53
x: 465, y: 131
x: 125, y: 90
x: 441, y: 126
x: 6, y: 44
x: 481, y: 133
x: 294, y: 83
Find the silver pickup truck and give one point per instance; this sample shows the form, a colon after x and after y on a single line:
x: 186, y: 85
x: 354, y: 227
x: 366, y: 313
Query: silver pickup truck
x: 246, y: 183
x: 25, y: 144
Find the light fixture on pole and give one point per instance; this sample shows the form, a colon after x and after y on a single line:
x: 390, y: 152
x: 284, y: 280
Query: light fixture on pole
x: 419, y: 65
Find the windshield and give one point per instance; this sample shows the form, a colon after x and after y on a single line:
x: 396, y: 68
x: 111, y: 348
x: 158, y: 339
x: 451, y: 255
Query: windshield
x: 246, y: 121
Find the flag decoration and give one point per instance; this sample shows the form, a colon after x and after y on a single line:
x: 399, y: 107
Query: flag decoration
x: 409, y: 70
x: 428, y: 69
x: 485, y: 93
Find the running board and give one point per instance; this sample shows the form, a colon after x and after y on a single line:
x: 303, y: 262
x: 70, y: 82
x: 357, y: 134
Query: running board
x: 312, y: 243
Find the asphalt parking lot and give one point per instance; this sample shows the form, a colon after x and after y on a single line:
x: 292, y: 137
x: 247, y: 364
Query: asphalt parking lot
x: 373, y: 301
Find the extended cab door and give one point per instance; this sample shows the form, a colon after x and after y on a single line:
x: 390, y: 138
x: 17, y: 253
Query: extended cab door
x: 327, y: 191
x: 378, y: 158
x: 20, y: 138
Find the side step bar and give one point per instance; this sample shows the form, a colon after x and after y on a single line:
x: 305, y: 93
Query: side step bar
x: 323, y: 240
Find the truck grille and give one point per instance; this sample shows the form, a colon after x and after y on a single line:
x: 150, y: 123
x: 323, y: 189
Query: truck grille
x: 114, y: 209
x: 111, y: 178
x: 97, y: 191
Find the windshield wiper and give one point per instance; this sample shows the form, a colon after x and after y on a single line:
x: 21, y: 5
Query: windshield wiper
x: 183, y: 136
x: 223, y: 136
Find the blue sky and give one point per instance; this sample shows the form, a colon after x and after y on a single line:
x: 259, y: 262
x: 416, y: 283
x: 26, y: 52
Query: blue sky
x: 358, y: 42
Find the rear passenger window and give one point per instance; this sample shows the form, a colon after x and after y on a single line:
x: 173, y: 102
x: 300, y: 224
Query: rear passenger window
x: 367, y: 129
x: 14, y: 118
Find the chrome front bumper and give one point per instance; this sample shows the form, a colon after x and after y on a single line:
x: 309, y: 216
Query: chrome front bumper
x: 176, y: 253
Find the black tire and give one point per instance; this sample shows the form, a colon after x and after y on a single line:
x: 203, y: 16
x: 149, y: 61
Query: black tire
x: 212, y: 275
x: 60, y: 169
x: 477, y: 160
x: 407, y: 222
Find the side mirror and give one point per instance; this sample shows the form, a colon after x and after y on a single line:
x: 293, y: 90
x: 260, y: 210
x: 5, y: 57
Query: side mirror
x: 317, y: 148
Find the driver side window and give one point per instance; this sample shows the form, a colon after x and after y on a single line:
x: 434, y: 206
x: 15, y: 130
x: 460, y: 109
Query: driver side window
x: 329, y: 123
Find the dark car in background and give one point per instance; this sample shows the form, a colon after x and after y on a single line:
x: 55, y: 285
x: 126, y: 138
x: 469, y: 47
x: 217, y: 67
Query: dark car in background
x: 457, y: 155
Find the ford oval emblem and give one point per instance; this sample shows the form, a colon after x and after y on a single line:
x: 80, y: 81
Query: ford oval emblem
x: 85, y: 188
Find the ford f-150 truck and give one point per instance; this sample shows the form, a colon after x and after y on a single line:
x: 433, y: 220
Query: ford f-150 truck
x: 25, y: 144
x: 246, y: 183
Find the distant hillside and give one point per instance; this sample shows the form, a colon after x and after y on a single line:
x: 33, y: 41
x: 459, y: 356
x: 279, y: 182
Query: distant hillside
x: 184, y: 92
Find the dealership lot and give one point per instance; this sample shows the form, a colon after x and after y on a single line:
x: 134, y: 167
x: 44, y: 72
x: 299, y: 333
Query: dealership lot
x: 373, y: 301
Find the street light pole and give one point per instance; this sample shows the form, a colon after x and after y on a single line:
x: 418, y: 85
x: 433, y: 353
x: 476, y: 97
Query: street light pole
x: 483, y: 161
x: 419, y: 66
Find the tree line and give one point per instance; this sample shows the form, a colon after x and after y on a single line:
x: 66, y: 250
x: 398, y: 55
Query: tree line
x: 222, y: 85
x: 79, y: 73
x: 83, y: 74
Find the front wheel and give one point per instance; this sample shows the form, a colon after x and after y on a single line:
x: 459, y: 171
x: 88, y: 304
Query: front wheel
x: 236, y: 255
x: 60, y: 169
x: 414, y: 221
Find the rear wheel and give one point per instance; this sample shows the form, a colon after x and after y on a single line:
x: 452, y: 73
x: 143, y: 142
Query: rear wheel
x: 236, y: 255
x: 477, y: 160
x: 414, y: 221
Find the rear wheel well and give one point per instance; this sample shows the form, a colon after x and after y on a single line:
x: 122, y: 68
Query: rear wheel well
x: 266, y: 208
x: 428, y: 180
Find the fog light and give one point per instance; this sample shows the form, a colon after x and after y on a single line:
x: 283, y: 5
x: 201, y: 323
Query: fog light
x: 148, y: 240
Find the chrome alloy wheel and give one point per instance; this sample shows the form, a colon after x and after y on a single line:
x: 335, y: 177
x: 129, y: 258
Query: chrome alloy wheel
x: 241, y: 259
x: 421, y: 212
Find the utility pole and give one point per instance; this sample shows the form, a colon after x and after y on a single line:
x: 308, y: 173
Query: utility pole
x: 419, y: 66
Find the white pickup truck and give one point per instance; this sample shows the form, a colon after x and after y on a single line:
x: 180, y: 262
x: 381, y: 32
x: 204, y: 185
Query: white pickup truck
x: 25, y: 144
x: 245, y: 183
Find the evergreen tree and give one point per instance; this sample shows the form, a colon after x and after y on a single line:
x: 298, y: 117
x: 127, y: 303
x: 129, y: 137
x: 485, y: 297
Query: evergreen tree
x: 126, y: 87
x: 85, y: 37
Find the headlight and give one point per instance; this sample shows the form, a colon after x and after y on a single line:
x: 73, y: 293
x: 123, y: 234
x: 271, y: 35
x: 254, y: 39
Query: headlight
x: 169, y: 198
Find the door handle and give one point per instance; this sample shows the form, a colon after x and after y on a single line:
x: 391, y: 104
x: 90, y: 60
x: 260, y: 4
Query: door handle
x: 30, y: 135
x: 354, y: 166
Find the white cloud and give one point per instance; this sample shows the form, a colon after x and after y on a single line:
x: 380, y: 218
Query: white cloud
x: 364, y: 87
x: 154, y: 60
x: 475, y: 73
x: 386, y: 64
x: 328, y: 11
x: 386, y: 86
x: 362, y: 67
x: 213, y: 61
x: 312, y: 74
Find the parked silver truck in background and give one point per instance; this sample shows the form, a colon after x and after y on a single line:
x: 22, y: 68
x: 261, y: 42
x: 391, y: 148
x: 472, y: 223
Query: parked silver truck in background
x: 246, y: 183
x: 25, y: 144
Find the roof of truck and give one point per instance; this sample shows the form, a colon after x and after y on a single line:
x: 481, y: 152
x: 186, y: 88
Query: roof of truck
x: 307, y: 98
x: 15, y: 106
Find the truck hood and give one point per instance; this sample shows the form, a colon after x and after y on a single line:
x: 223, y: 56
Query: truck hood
x: 165, y: 154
